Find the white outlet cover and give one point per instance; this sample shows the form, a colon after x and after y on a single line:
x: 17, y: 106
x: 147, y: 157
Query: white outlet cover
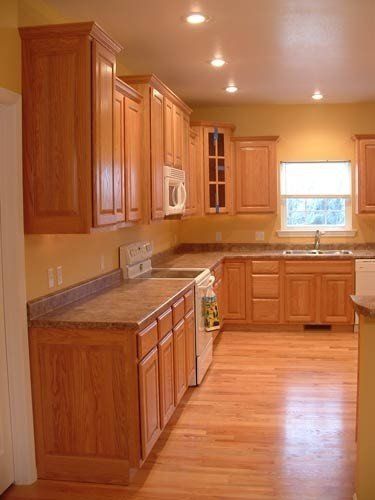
x: 219, y: 236
x: 51, y: 277
x: 259, y: 235
x: 59, y: 272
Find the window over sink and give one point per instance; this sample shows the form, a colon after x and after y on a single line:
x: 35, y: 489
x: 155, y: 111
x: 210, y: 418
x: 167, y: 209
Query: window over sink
x: 316, y: 195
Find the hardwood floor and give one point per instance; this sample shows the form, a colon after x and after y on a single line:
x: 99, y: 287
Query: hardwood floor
x: 274, y: 419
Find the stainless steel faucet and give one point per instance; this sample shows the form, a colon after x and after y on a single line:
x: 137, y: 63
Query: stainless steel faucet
x: 318, y: 234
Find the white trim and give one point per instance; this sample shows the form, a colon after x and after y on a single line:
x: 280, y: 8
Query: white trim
x: 286, y: 233
x: 14, y: 286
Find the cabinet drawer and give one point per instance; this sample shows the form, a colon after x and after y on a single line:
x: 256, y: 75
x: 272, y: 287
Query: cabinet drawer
x: 147, y: 339
x: 165, y: 323
x: 189, y: 301
x: 317, y: 267
x: 265, y: 311
x: 265, y: 266
x: 265, y: 287
x: 178, y: 309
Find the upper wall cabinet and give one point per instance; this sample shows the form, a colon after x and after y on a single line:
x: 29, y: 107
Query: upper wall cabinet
x: 365, y: 174
x: 217, y: 171
x: 162, y: 137
x: 256, y: 174
x: 73, y: 167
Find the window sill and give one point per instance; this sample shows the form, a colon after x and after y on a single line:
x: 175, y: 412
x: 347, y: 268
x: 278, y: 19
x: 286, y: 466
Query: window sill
x: 339, y: 233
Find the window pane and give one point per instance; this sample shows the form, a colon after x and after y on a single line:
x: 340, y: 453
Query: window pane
x: 317, y: 178
x: 315, y: 212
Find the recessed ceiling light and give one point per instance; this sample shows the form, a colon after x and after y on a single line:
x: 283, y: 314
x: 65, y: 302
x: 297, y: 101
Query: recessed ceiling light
x: 317, y: 96
x: 231, y: 89
x: 196, y: 18
x: 218, y: 62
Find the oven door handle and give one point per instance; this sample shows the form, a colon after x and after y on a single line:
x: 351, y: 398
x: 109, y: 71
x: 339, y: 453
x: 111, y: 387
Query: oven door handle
x: 209, y: 284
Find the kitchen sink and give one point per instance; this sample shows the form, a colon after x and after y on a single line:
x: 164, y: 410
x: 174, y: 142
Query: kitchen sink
x: 318, y: 252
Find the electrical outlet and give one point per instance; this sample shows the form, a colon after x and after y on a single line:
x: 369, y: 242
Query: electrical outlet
x: 59, y: 273
x: 51, y: 277
x: 259, y: 235
x: 219, y: 236
x: 102, y: 263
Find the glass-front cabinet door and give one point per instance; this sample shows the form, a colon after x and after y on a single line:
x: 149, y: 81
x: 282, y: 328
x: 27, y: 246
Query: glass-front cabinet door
x: 217, y: 171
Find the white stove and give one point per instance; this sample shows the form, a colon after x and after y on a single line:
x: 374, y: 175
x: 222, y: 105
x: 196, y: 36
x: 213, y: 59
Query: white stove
x: 135, y: 261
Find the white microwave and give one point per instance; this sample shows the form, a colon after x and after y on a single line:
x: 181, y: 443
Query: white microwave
x: 174, y: 191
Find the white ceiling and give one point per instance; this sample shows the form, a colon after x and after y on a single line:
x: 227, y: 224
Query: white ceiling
x: 277, y: 50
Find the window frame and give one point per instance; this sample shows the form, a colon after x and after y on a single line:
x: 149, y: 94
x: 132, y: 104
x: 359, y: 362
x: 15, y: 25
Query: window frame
x: 346, y: 230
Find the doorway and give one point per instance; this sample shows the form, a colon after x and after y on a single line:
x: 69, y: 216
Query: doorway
x: 17, y: 455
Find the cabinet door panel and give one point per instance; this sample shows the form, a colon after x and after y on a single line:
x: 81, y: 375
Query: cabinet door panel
x: 119, y: 156
x: 178, y: 137
x: 256, y: 177
x: 235, y: 300
x: 366, y: 175
x: 190, y: 347
x: 104, y: 69
x: 166, y: 374
x: 335, y: 299
x: 149, y: 401
x: 56, y: 88
x: 168, y: 132
x: 300, y: 298
x: 157, y: 155
x: 133, y: 160
x: 180, y: 373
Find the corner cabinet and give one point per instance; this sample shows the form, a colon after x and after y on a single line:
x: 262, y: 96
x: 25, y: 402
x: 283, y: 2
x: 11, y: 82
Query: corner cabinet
x: 365, y: 174
x: 73, y: 167
x: 217, y: 171
x: 256, y: 174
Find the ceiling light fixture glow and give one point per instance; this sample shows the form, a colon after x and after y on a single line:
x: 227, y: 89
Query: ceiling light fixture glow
x: 218, y: 62
x: 317, y: 96
x: 196, y: 18
x: 231, y: 89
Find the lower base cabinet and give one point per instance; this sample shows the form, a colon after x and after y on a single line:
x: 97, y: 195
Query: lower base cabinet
x: 300, y: 292
x: 336, y: 308
x: 180, y: 373
x: 149, y: 401
x: 166, y: 378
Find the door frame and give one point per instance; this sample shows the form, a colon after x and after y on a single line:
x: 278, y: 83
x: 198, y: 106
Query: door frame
x: 13, y: 250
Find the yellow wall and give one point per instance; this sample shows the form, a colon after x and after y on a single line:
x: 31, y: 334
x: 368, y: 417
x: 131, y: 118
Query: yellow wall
x: 80, y: 255
x: 307, y: 132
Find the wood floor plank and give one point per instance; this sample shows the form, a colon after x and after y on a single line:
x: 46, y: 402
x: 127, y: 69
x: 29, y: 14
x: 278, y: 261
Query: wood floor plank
x: 274, y: 419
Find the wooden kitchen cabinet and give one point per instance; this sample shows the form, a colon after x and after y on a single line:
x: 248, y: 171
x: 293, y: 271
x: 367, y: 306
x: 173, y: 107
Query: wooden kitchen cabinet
x: 365, y: 174
x: 217, y: 171
x: 263, y: 285
x: 190, y: 347
x: 168, y: 132
x: 133, y: 167
x: 256, y: 174
x: 180, y: 371
x: 235, y: 290
x: 300, y: 298
x: 335, y: 306
x: 166, y: 377
x: 162, y: 141
x: 192, y: 173
x: 149, y: 401
x: 127, y: 149
x: 70, y: 169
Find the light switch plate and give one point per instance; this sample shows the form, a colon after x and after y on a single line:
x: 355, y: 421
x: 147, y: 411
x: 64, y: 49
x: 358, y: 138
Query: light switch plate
x: 59, y: 272
x: 51, y: 277
x: 219, y: 236
x: 102, y: 263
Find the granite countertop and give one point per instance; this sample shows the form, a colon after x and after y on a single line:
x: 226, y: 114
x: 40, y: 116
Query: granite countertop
x: 131, y: 304
x: 364, y: 305
x: 200, y: 258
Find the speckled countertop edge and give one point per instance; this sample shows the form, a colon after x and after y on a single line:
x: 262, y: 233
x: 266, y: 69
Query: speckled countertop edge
x: 364, y: 305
